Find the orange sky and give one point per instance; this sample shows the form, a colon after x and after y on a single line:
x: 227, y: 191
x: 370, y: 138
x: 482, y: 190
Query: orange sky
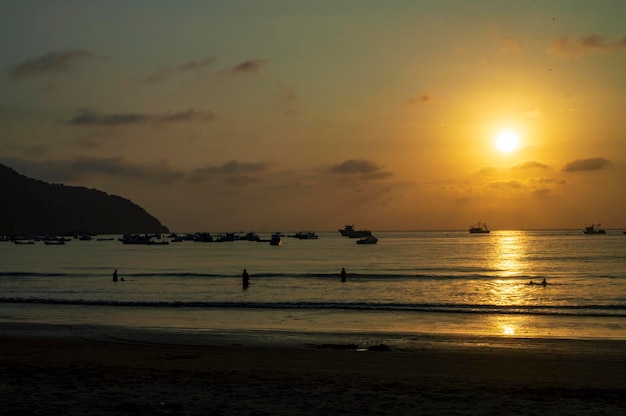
x: 287, y: 115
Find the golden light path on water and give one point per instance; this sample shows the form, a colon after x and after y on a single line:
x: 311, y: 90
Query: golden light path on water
x: 508, y: 258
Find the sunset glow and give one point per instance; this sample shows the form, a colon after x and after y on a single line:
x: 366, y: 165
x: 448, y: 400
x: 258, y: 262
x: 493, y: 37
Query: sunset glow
x: 247, y: 115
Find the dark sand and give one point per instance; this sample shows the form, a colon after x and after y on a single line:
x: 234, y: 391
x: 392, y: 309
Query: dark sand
x: 74, y: 374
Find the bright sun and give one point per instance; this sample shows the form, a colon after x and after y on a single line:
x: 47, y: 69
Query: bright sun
x: 507, y: 141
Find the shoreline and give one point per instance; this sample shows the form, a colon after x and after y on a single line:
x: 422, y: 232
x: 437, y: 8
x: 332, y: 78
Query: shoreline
x: 46, y: 369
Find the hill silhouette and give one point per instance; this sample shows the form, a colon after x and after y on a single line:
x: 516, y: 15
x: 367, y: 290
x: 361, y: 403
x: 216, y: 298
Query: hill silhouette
x: 31, y: 206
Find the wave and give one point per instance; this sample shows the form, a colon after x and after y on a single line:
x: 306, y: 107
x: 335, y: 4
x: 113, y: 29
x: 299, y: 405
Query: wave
x: 579, y: 310
x: 448, y: 274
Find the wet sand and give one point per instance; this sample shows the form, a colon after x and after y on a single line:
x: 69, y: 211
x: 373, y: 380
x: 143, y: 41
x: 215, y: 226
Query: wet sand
x: 55, y: 372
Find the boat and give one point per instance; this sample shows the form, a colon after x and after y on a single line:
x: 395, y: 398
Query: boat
x: 479, y: 228
x: 251, y: 237
x: 54, y: 242
x: 369, y: 239
x: 275, y: 241
x: 349, y: 231
x: 305, y: 235
x: 593, y: 230
x: 141, y: 239
x: 23, y: 242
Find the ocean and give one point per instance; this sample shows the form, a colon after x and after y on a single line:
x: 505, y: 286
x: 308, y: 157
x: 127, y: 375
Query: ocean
x: 411, y: 284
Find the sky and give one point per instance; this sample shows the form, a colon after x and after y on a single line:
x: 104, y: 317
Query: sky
x: 289, y: 115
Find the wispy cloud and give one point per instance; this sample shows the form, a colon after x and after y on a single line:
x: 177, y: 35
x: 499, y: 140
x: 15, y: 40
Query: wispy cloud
x: 579, y: 165
x: 233, y: 172
x: 509, y: 44
x: 65, y: 170
x: 51, y: 62
x: 164, y: 73
x: 251, y: 66
x: 88, y: 117
x: 530, y: 164
x: 365, y: 168
x: 421, y: 99
x: 504, y: 185
x: 567, y: 47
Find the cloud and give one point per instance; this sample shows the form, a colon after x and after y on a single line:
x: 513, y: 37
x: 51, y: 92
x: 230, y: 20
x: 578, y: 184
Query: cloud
x: 50, y: 62
x: 189, y: 115
x: 573, y: 48
x: 195, y: 65
x: 504, y: 185
x: 579, y: 165
x: 233, y: 172
x: 420, y: 100
x: 352, y: 166
x: 530, y: 164
x: 87, y: 117
x: 65, y: 170
x: 365, y: 168
x: 509, y: 44
x: 251, y: 66
x: 190, y: 66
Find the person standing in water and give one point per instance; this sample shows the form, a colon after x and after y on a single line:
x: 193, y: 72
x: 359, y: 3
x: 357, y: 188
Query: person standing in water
x: 344, y: 275
x: 245, y: 279
x: 115, y: 275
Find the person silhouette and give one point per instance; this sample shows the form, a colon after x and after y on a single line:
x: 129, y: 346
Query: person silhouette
x: 245, y: 279
x: 344, y: 275
x: 115, y: 275
x: 544, y: 283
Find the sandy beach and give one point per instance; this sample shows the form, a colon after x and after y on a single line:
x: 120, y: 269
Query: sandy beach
x: 57, y: 372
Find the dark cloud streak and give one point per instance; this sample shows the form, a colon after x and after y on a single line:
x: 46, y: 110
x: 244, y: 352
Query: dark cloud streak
x: 365, y: 168
x: 88, y: 117
x: 190, y: 66
x: 579, y: 165
x: 573, y: 48
x: 50, y: 62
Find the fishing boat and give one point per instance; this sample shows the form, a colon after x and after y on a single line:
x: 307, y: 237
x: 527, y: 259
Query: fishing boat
x: 593, y: 230
x: 305, y: 235
x: 349, y: 231
x: 369, y: 239
x: 479, y: 228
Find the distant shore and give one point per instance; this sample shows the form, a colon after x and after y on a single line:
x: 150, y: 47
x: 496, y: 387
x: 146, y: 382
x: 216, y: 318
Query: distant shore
x: 50, y: 370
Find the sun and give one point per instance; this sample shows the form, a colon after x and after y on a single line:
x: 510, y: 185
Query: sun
x: 507, y: 141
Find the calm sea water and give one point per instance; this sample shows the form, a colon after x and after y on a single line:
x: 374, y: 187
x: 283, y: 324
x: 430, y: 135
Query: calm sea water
x: 410, y: 282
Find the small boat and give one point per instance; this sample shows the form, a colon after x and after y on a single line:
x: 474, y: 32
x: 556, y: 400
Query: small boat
x: 305, y: 235
x: 54, y: 242
x: 349, y: 231
x: 370, y: 239
x: 141, y: 239
x: 23, y: 242
x: 275, y: 241
x: 479, y: 228
x: 593, y: 230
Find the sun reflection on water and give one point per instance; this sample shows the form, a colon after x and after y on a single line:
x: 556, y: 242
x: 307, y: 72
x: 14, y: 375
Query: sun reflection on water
x: 508, y: 253
x: 508, y: 330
